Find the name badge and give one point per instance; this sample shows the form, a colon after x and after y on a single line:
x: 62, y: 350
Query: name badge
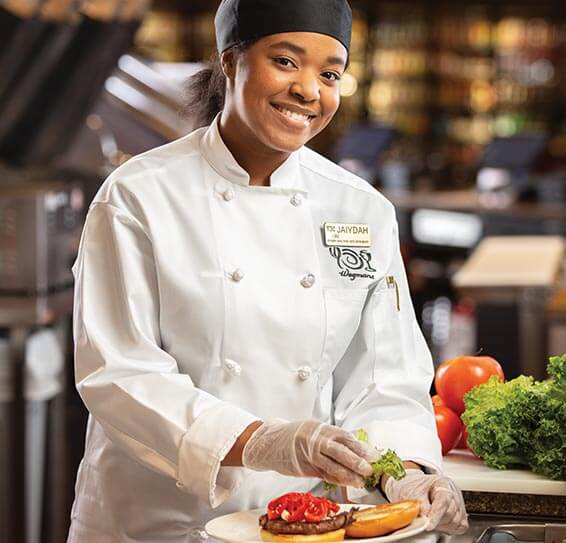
x: 346, y: 235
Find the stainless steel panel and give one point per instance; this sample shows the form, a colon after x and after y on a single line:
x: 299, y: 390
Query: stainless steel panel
x: 39, y: 233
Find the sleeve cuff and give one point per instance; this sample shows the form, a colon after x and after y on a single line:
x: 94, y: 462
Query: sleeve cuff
x: 202, y: 449
x: 410, y: 441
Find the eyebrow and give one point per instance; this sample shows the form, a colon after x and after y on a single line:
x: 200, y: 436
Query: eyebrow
x: 301, y: 51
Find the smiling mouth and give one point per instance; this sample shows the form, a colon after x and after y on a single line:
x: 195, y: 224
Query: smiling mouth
x: 293, y: 115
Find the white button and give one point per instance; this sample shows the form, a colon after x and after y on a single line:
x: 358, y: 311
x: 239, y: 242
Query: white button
x: 228, y: 195
x: 179, y: 485
x: 304, y: 373
x: 233, y: 368
x: 308, y: 280
x: 237, y: 275
x: 296, y: 200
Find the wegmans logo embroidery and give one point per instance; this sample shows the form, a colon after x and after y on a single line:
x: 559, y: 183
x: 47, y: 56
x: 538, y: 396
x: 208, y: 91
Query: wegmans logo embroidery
x: 353, y: 263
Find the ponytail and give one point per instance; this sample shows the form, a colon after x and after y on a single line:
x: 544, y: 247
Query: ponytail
x: 206, y: 91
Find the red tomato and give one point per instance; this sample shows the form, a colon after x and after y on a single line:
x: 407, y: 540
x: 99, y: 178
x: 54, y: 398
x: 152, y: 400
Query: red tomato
x: 332, y: 506
x: 448, y: 426
x: 296, y: 507
x: 317, y: 509
x: 437, y: 401
x: 295, y: 503
x: 457, y: 376
x: 274, y: 510
x: 463, y: 443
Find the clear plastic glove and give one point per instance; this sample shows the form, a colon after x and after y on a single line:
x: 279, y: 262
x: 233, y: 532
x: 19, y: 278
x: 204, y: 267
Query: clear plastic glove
x: 308, y: 449
x: 441, y: 500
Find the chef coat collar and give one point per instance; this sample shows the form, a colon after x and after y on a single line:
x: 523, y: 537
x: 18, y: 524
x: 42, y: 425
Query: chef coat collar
x: 223, y: 162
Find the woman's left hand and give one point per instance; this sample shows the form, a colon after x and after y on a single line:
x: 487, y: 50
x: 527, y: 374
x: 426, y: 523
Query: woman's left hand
x: 441, y: 500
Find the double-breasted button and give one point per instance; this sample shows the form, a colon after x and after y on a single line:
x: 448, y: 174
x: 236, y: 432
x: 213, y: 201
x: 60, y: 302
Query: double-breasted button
x: 232, y: 367
x: 304, y: 373
x: 228, y: 194
x: 237, y: 275
x: 297, y: 199
x: 308, y: 280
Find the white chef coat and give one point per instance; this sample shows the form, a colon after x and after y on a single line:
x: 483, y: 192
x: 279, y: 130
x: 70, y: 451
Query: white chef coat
x: 203, y: 304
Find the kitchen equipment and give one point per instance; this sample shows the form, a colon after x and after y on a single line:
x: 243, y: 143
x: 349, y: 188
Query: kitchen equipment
x: 549, y: 533
x: 40, y: 225
x: 44, y: 100
x: 509, y: 529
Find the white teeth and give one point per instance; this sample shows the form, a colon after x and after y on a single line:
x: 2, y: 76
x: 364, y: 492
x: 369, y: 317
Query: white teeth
x: 293, y: 115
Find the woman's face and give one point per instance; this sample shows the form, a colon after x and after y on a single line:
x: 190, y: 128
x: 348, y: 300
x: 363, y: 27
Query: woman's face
x: 285, y: 88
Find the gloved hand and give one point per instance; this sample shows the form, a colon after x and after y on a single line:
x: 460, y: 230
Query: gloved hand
x: 308, y: 449
x: 441, y: 500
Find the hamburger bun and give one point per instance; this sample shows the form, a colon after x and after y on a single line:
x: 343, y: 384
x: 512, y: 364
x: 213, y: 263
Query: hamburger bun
x: 383, y: 519
x: 336, y: 535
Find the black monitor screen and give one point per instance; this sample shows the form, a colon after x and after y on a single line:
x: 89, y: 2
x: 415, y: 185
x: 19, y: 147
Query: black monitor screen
x: 365, y: 143
x: 517, y: 152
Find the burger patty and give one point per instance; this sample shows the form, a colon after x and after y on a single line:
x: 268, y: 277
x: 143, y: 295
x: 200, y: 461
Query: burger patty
x: 279, y: 526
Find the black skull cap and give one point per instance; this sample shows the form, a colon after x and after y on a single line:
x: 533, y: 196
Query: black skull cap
x: 238, y: 21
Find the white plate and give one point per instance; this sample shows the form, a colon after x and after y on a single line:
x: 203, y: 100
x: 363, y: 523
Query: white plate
x: 243, y: 527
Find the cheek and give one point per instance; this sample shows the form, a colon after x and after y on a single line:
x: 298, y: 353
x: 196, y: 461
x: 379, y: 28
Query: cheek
x: 331, y: 101
x: 264, y: 84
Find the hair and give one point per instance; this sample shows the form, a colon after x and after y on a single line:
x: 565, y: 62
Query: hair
x: 206, y: 91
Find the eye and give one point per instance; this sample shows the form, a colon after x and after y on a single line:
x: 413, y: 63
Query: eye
x: 285, y: 62
x: 332, y: 76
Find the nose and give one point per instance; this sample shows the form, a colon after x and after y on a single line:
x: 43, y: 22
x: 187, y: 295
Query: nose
x: 305, y: 86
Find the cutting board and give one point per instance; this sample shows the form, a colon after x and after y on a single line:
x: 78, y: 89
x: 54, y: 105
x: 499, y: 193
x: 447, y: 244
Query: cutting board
x: 470, y: 473
x: 512, y: 261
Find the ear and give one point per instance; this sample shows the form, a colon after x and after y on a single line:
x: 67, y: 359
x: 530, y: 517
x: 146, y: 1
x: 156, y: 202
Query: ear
x: 228, y: 63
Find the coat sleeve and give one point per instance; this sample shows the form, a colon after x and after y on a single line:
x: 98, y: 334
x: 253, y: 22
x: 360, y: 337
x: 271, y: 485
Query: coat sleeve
x: 383, y: 380
x: 130, y: 385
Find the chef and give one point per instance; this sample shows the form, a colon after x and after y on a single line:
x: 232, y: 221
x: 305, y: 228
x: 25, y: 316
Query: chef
x: 241, y: 305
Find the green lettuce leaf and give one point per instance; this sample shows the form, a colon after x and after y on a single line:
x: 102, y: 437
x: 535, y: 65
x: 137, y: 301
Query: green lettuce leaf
x: 521, y: 422
x: 385, y: 463
x: 389, y: 464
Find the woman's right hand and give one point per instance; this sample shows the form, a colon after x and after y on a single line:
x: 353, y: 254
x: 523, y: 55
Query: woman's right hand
x: 308, y: 449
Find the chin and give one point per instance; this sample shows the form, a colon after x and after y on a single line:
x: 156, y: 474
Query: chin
x: 286, y: 143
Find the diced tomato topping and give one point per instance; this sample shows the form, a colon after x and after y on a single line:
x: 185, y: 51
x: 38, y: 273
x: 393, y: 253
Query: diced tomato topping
x: 316, y: 511
x: 332, y: 506
x: 300, y: 506
x: 274, y: 511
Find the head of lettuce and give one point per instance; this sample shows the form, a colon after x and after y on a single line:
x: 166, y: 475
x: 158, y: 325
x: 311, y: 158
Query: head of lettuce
x: 521, y: 422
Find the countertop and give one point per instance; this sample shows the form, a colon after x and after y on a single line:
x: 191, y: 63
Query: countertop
x: 470, y: 473
x: 505, y: 492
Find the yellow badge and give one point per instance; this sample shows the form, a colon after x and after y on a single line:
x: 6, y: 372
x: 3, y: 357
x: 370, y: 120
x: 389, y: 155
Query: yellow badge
x: 346, y: 235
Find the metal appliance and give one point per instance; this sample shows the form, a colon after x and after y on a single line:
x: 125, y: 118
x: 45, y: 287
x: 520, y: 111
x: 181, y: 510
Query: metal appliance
x: 40, y: 225
x: 55, y: 58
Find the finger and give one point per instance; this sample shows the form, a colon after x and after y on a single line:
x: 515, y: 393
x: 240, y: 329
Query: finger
x: 451, y: 520
x: 425, y: 505
x: 345, y: 456
x: 452, y: 528
x: 461, y: 520
x: 361, y: 449
x: 338, y: 474
x: 455, y: 520
x: 348, y: 459
x: 437, y: 511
